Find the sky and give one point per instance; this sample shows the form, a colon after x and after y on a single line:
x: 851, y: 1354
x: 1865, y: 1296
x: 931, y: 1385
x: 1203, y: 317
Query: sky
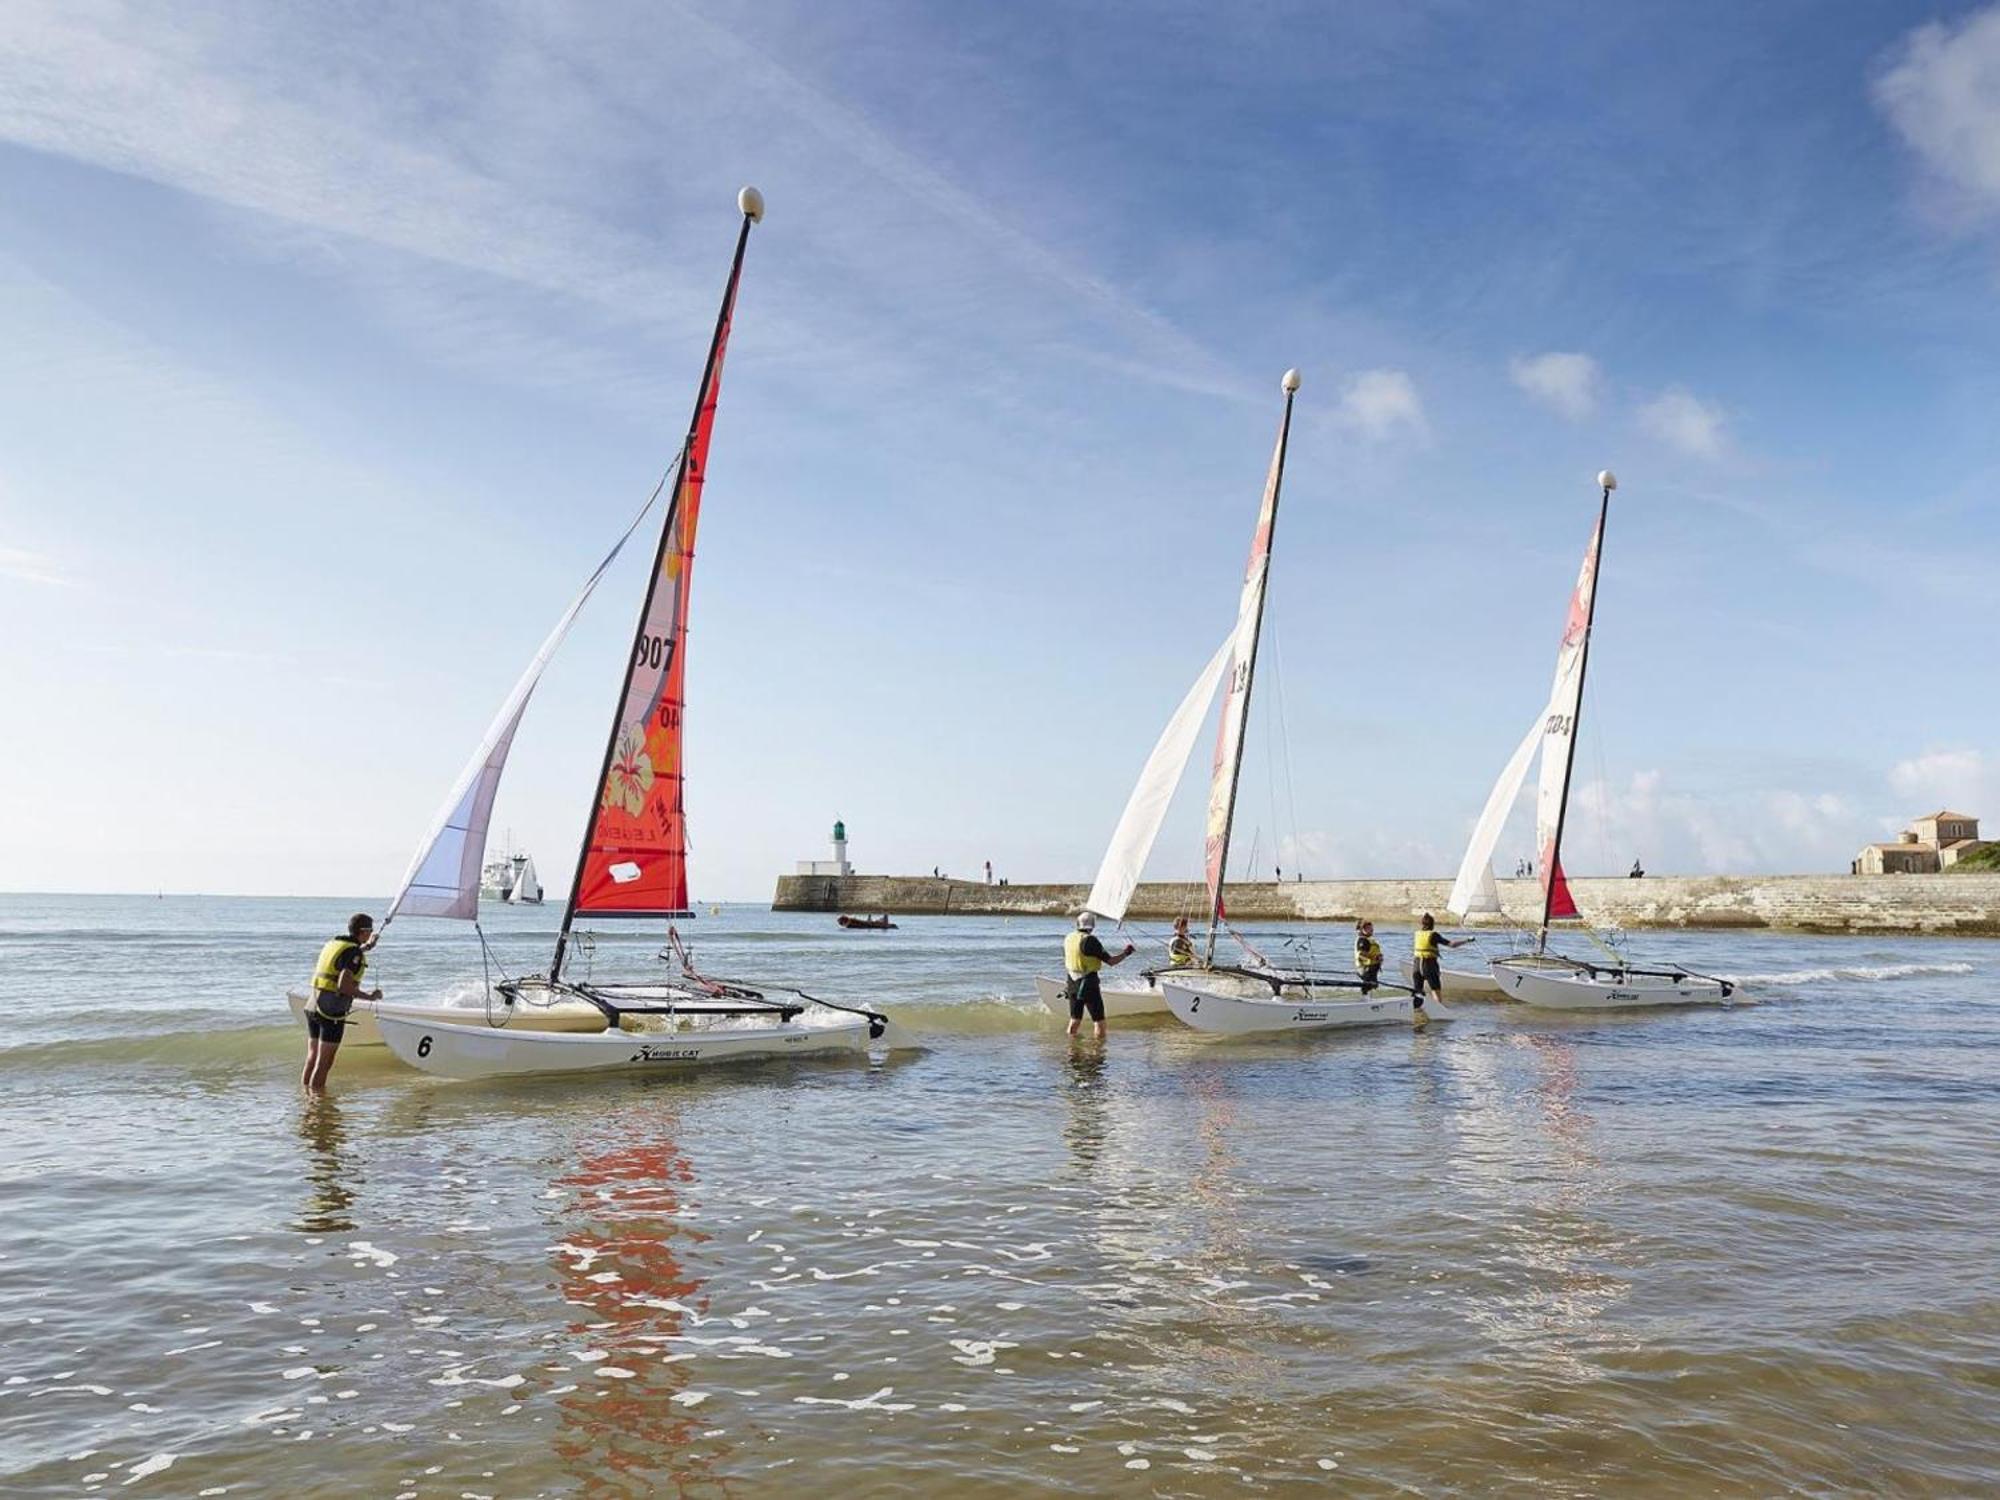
x: 337, y: 344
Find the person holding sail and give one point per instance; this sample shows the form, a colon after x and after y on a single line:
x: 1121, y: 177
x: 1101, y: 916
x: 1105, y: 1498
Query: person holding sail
x: 336, y: 985
x: 1083, y: 957
x: 1425, y: 975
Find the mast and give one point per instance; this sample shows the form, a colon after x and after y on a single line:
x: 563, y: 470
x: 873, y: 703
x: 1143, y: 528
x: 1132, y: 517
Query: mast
x: 1607, y: 482
x: 1260, y: 573
x: 750, y: 203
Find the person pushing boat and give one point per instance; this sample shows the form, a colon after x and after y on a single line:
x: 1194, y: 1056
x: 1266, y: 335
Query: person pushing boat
x: 1180, y: 947
x: 1367, y: 956
x: 1426, y: 975
x: 336, y: 986
x: 1083, y: 957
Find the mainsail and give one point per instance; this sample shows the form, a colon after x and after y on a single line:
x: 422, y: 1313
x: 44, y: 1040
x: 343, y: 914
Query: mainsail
x: 633, y: 861
x: 443, y: 877
x: 1559, y: 726
x: 1227, y: 768
x: 1139, y: 824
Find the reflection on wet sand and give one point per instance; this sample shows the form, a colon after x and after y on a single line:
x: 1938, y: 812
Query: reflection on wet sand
x: 331, y: 1175
x: 627, y: 1426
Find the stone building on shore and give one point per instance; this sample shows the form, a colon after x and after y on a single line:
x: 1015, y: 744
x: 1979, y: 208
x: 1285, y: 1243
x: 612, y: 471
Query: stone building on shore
x: 1934, y: 842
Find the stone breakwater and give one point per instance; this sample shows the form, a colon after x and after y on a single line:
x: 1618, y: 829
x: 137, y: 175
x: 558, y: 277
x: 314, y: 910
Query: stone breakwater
x: 1950, y: 905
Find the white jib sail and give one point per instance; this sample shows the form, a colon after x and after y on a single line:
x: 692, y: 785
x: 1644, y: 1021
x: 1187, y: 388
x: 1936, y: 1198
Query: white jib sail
x: 1474, y: 890
x: 443, y: 878
x: 1139, y: 825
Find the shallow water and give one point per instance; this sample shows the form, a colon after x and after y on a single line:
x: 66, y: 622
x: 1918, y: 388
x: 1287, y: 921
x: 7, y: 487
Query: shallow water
x: 1714, y: 1252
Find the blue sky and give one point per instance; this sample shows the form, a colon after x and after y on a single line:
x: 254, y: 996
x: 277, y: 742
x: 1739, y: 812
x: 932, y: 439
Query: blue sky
x: 336, y: 344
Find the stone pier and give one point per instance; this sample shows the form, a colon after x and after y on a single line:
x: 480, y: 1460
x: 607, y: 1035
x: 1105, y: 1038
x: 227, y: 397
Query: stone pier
x: 1947, y: 904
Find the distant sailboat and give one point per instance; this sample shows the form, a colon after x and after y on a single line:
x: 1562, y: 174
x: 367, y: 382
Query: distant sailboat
x: 1541, y: 977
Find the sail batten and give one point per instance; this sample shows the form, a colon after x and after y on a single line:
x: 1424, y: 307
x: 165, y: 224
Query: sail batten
x: 1139, y: 825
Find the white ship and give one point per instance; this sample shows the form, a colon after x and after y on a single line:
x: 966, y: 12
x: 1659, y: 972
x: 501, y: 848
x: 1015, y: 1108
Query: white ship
x: 511, y: 878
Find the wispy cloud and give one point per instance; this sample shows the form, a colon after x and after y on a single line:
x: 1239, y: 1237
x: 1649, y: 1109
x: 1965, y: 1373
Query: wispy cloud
x: 32, y: 567
x: 1942, y: 94
x: 1567, y: 384
x: 212, y: 108
x: 1380, y: 404
x: 1683, y: 420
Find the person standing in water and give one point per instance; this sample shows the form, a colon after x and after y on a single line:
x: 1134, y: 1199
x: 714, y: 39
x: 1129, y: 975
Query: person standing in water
x: 1180, y: 947
x: 1083, y: 957
x: 1426, y: 975
x: 1367, y: 956
x: 336, y: 986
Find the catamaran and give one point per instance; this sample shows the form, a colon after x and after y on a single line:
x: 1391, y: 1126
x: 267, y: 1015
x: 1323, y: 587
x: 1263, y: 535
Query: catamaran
x: 1252, y: 1000
x: 1540, y: 977
x: 1139, y: 828
x: 633, y: 859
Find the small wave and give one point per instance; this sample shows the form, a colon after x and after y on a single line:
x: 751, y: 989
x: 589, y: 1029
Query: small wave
x: 990, y: 1015
x: 1859, y: 973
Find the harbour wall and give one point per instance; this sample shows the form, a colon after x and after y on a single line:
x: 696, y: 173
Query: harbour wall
x: 1946, y: 904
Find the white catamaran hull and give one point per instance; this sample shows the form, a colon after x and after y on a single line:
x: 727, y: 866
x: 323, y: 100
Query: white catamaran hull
x: 1234, y: 1015
x: 1140, y: 997
x: 362, y: 1030
x: 1573, y: 989
x: 451, y: 1050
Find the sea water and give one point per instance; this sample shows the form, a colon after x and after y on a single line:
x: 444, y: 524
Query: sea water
x: 1743, y: 1251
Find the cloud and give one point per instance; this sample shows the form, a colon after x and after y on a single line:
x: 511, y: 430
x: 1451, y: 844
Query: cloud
x: 1958, y: 780
x: 31, y: 567
x: 1379, y: 403
x: 1942, y: 95
x: 215, y: 104
x: 1683, y: 420
x: 1567, y: 384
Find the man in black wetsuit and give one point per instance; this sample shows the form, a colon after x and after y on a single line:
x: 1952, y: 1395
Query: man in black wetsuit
x: 1083, y: 956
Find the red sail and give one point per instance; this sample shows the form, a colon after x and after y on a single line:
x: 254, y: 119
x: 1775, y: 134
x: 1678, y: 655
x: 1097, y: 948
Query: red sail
x: 635, y: 860
x: 1555, y: 889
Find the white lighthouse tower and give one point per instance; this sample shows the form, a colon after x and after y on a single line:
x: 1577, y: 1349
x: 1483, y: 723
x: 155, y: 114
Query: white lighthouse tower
x: 838, y: 865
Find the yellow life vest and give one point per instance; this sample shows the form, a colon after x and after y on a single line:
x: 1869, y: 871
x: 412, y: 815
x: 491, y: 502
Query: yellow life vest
x: 1075, y: 959
x: 327, y: 976
x: 1367, y: 953
x: 1180, y: 950
x: 1427, y: 943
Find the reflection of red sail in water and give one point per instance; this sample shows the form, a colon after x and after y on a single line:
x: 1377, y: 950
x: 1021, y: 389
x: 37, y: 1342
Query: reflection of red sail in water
x: 625, y: 1435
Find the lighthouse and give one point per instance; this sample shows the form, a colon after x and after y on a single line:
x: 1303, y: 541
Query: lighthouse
x: 838, y: 865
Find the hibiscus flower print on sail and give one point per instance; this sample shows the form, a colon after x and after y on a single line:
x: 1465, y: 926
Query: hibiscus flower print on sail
x: 630, y: 780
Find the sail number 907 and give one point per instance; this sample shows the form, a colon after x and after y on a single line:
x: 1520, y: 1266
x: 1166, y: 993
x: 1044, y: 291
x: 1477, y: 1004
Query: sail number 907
x: 652, y: 651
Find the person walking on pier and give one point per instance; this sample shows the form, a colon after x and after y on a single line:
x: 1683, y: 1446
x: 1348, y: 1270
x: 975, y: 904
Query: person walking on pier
x: 1426, y: 975
x: 1083, y: 957
x: 1367, y: 956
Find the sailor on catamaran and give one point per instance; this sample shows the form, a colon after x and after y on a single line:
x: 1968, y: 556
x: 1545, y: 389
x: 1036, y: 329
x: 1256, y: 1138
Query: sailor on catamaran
x: 1180, y: 947
x: 1368, y: 957
x: 336, y: 986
